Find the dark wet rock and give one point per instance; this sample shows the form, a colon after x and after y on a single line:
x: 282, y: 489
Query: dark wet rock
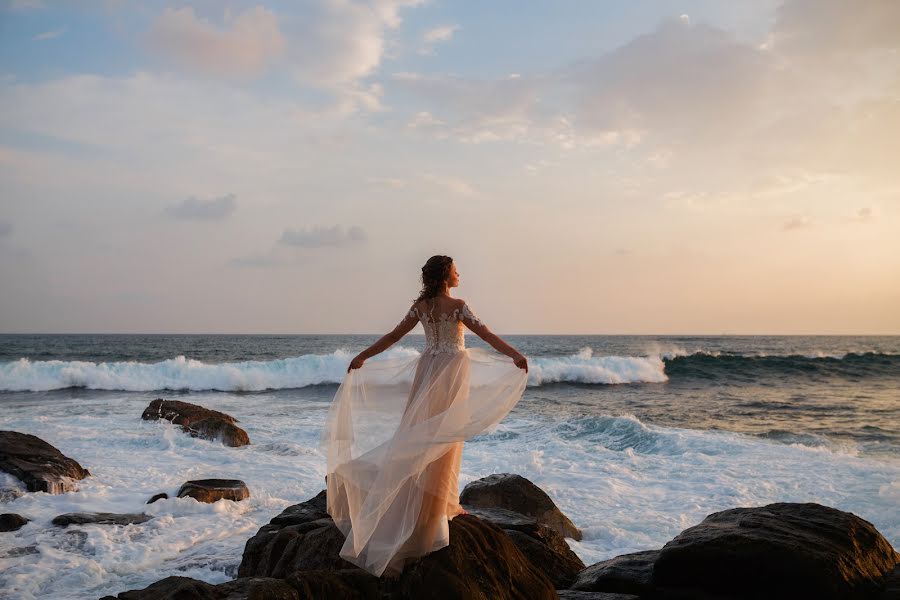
x: 303, y: 543
x: 305, y: 585
x: 627, y: 574
x: 20, y: 551
x: 198, y: 421
x: 345, y: 584
x: 546, y: 548
x: 185, y: 588
x: 211, y: 490
x: 781, y: 550
x: 514, y: 492
x: 891, y: 585
x: 40, y: 466
x: 12, y: 522
x: 162, y: 496
x: 575, y: 595
x: 480, y: 562
x: 99, y: 518
x: 302, y: 538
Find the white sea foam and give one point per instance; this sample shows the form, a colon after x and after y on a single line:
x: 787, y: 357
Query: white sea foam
x: 584, y: 367
x: 627, y: 484
x: 181, y: 373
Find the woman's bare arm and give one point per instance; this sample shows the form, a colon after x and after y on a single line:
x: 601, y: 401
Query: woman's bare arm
x: 482, y: 331
x: 387, y: 340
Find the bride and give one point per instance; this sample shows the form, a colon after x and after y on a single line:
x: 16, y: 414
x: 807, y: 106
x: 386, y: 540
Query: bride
x: 396, y: 427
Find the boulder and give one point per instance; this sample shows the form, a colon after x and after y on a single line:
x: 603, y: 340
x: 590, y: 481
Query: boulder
x: 40, y: 466
x: 514, y: 492
x: 155, y: 497
x: 198, y: 421
x: 211, y: 490
x: 781, y: 550
x: 627, y: 574
x: 99, y: 518
x: 574, y: 595
x: 546, y: 548
x: 302, y: 538
x: 12, y: 522
x: 480, y: 562
x: 891, y: 589
x: 185, y: 588
x: 303, y: 544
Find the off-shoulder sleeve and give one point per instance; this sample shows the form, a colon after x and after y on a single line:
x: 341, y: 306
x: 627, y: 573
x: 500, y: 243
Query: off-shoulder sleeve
x: 469, y: 318
x: 411, y: 317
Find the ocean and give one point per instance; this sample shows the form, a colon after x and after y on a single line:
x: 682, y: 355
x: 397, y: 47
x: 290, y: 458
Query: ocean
x: 634, y: 437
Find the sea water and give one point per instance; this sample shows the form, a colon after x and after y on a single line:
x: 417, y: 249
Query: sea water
x: 635, y: 439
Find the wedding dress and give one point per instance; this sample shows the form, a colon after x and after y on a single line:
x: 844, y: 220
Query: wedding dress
x: 394, y: 436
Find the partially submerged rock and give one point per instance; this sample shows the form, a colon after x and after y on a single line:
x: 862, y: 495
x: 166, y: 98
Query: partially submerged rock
x: 781, y: 550
x: 39, y: 465
x: 155, y: 497
x: 626, y: 573
x: 198, y: 421
x: 100, y: 518
x: 514, y: 492
x: 12, y: 522
x: 211, y: 490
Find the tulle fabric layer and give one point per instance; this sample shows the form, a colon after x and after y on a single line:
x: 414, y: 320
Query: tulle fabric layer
x: 393, y: 442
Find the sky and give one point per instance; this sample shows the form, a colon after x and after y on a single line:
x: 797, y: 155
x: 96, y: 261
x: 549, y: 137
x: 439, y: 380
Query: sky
x: 593, y: 167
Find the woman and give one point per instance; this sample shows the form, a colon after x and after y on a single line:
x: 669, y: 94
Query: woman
x: 396, y: 427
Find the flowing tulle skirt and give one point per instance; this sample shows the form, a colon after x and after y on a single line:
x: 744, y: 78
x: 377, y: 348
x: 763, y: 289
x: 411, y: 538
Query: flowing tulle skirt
x: 393, y: 442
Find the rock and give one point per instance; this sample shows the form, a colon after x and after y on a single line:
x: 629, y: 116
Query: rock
x: 20, y: 551
x: 12, y: 522
x: 211, y: 490
x: 40, y: 466
x: 185, y: 588
x: 891, y: 584
x: 347, y: 584
x: 627, y: 574
x: 781, y: 550
x: 99, y: 518
x: 303, y: 544
x: 546, y: 548
x: 162, y: 496
x: 198, y: 421
x: 515, y: 493
x: 480, y: 562
x: 302, y: 585
x: 302, y: 538
x: 573, y: 595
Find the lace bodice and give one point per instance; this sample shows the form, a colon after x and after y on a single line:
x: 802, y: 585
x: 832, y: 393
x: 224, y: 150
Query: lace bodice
x: 446, y: 333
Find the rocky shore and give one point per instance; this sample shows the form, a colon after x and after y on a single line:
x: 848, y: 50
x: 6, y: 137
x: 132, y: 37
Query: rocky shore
x: 511, y: 545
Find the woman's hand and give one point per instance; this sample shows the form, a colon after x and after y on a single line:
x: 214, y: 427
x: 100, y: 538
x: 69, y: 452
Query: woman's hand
x: 356, y: 363
x: 521, y: 362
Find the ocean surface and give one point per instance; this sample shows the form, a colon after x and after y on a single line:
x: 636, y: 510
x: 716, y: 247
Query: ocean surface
x: 634, y: 437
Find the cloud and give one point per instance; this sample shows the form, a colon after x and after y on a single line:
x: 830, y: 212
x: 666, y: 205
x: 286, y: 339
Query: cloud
x: 439, y: 34
x: 6, y: 229
x: 243, y: 46
x: 799, y: 222
x: 203, y: 210
x: 49, y: 34
x: 321, y: 236
x: 452, y: 184
x: 436, y: 35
